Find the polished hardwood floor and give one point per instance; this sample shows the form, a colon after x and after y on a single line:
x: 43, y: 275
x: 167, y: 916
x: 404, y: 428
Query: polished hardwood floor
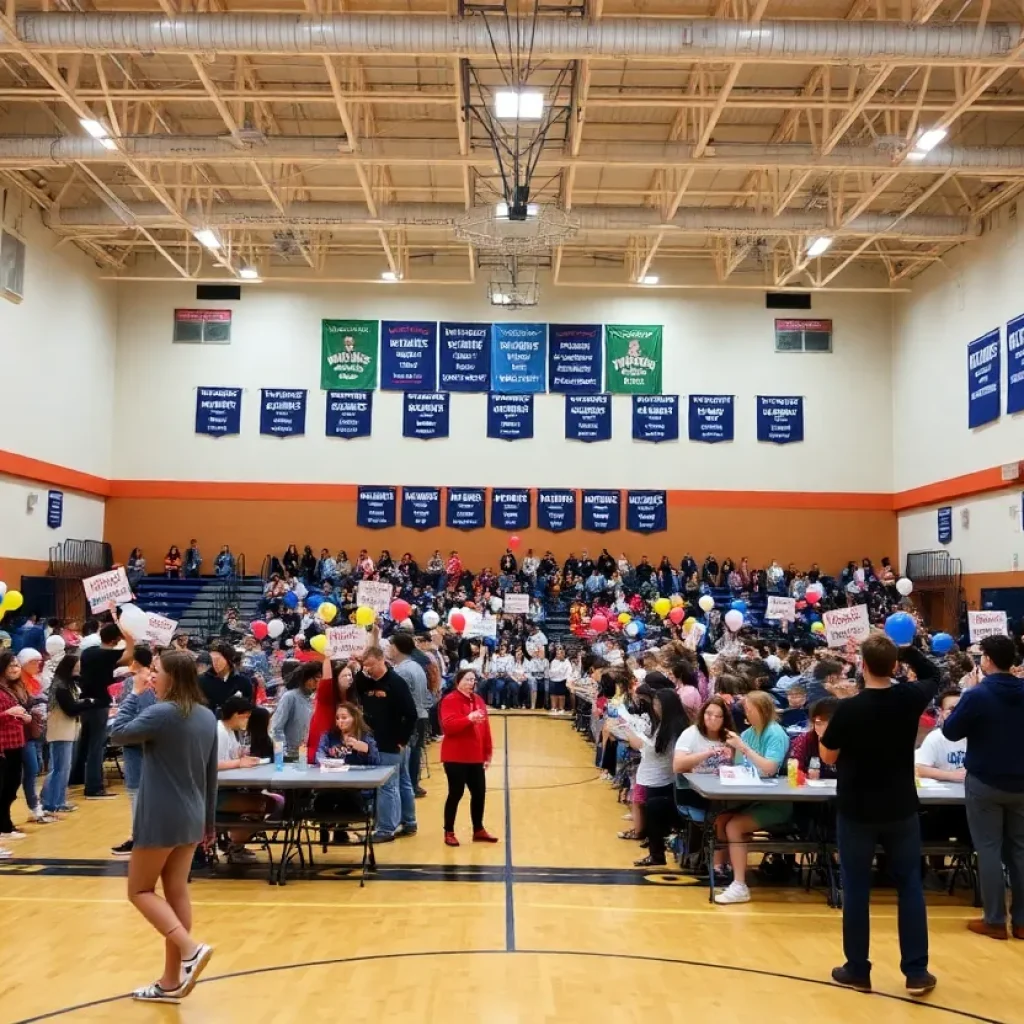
x: 551, y: 924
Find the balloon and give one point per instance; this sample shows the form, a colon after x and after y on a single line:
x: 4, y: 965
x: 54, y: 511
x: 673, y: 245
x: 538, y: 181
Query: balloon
x: 134, y: 620
x: 431, y: 619
x: 319, y: 643
x: 942, y: 643
x: 641, y: 628
x: 677, y: 601
x: 813, y: 617
x: 707, y: 602
x: 314, y: 601
x: 55, y: 645
x: 677, y: 615
x: 407, y: 625
x: 625, y: 618
x: 3, y: 590
x: 662, y: 606
x: 633, y: 629
x: 275, y: 627
x: 12, y: 601
x: 817, y: 588
x: 689, y: 624
x: 900, y: 628
x: 513, y: 541
x: 739, y: 606
x: 904, y: 586
x: 457, y: 622
x: 365, y: 616
x: 599, y: 624
x: 258, y: 629
x: 291, y: 599
x: 733, y: 620
x: 399, y: 609
x: 327, y: 611
x: 801, y: 605
x: 496, y: 604
x: 813, y: 597
x: 817, y: 627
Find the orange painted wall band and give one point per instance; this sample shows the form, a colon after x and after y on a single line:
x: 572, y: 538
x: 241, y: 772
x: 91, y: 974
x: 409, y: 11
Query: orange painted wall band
x: 25, y: 468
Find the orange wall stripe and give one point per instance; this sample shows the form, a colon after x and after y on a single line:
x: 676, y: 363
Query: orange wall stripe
x: 956, y: 487
x: 213, y: 491
x: 25, y: 468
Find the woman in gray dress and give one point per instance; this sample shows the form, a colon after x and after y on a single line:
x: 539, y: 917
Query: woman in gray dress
x: 174, y: 812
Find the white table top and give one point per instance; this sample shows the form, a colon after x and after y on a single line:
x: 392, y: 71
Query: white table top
x: 290, y: 777
x: 711, y: 787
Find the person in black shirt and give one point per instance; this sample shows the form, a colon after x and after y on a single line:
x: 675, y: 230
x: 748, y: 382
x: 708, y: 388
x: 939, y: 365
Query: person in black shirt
x: 871, y: 740
x: 508, y: 564
x: 221, y: 680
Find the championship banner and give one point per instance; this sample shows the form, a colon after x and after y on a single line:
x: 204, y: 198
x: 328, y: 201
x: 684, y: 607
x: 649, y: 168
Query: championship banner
x: 847, y: 624
x: 375, y: 507
x: 108, y: 589
x: 517, y: 604
x: 349, y: 413
x: 374, y: 594
x: 588, y: 417
x: 945, y: 524
x: 465, y: 508
x: 54, y: 509
x: 348, y: 355
x: 1015, y: 365
x: 711, y: 418
x: 780, y: 420
x: 574, y: 359
x: 602, y: 511
x: 655, y: 418
x: 556, y: 510
x: 510, y: 417
x: 218, y: 411
x: 983, y: 624
x: 283, y: 412
x: 345, y: 642
x: 425, y: 414
x: 408, y: 355
x: 421, y: 507
x: 632, y: 359
x: 510, y: 508
x: 646, y: 511
x: 518, y: 358
x: 465, y: 357
x: 983, y: 372
x: 781, y: 609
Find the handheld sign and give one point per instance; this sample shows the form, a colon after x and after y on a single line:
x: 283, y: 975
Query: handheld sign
x: 781, y: 608
x: 160, y: 629
x: 517, y: 604
x: 374, y: 595
x: 346, y: 641
x: 847, y: 624
x: 107, y: 589
x: 983, y: 624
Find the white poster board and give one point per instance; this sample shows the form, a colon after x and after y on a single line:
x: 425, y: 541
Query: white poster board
x: 160, y: 629
x: 374, y: 595
x: 517, y: 604
x: 983, y: 624
x: 695, y: 635
x: 108, y: 589
x: 782, y: 609
x: 346, y: 641
x: 480, y: 626
x: 847, y: 624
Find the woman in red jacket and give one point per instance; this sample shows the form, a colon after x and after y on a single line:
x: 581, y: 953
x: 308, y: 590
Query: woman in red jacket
x: 465, y: 752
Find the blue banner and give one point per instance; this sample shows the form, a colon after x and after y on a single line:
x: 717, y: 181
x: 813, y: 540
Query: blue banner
x: 465, y: 509
x: 425, y: 414
x: 602, y: 511
x: 510, y: 417
x: 711, y: 418
x: 349, y: 413
x: 556, y: 510
x: 588, y: 417
x: 1015, y: 365
x: 54, y: 509
x: 780, y: 419
x: 518, y: 358
x: 646, y: 511
x: 574, y: 359
x: 983, y: 372
x: 218, y: 411
x: 408, y: 355
x: 945, y: 520
x: 421, y: 507
x: 655, y: 418
x: 510, y: 508
x: 283, y: 411
x: 376, y: 507
x: 465, y: 357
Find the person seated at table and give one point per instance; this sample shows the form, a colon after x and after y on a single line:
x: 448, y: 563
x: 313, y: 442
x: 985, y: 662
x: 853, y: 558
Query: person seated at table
x: 702, y: 748
x: 805, y: 746
x: 794, y: 715
x: 349, y: 740
x: 260, y: 743
x: 763, y: 746
x: 235, y: 714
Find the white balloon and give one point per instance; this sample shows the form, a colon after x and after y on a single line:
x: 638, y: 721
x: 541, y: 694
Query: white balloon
x: 816, y: 588
x: 496, y: 604
x: 632, y: 629
x: 904, y: 586
x: 275, y: 627
x: 55, y: 645
x: 135, y: 621
x: 289, y: 643
x: 3, y: 590
x: 734, y: 620
x: 707, y: 602
x: 431, y: 619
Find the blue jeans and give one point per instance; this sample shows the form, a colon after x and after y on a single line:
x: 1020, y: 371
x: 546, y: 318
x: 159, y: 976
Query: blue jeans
x: 901, y: 841
x: 94, y: 744
x: 29, y: 772
x: 396, y: 801
x: 55, y: 789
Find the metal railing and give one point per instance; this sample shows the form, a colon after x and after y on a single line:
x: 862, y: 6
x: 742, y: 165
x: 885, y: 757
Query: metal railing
x: 225, y: 593
x: 72, y: 561
x: 935, y: 572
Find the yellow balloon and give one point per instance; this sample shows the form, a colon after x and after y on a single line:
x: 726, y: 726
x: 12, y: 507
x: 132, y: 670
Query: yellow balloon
x: 677, y: 601
x: 689, y: 624
x: 327, y: 611
x: 319, y: 643
x: 624, y: 618
x: 364, y: 616
x: 817, y: 627
x: 663, y: 606
x: 13, y: 601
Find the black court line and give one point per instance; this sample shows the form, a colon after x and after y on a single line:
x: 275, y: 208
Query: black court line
x: 510, y: 906
x: 924, y: 1004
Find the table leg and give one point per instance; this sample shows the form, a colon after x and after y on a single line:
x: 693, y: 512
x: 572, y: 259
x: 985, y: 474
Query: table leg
x: 709, y: 833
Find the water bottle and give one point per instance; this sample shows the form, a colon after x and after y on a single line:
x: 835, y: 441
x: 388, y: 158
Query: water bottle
x: 814, y: 768
x: 302, y: 763
x: 793, y: 771
x: 278, y: 756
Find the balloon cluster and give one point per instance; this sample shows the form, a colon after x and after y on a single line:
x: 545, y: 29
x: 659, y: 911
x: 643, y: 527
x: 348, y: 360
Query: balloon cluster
x: 10, y: 600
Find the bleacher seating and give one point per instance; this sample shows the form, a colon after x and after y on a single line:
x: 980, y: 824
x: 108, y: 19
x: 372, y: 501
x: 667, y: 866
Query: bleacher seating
x: 198, y: 604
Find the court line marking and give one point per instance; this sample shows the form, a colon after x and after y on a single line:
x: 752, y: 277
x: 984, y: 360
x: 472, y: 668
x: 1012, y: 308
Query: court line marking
x: 636, y: 957
x: 510, y: 906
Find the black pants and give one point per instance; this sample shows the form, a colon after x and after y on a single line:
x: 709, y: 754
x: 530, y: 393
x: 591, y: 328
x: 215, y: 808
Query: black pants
x: 10, y: 780
x: 459, y: 777
x: 659, y: 815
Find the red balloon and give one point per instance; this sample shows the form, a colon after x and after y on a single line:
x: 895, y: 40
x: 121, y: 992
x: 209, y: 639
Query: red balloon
x: 813, y: 597
x: 677, y: 615
x: 400, y: 610
x: 599, y: 624
x: 259, y: 629
x: 801, y: 605
x: 513, y: 541
x: 457, y: 622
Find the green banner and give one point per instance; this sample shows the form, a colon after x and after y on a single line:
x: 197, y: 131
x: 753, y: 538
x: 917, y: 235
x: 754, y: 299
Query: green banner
x: 348, y: 355
x: 632, y: 359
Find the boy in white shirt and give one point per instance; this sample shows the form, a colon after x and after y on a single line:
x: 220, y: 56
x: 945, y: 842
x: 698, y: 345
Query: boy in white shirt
x: 938, y: 758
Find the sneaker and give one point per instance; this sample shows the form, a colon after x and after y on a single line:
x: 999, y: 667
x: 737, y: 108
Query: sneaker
x: 921, y: 984
x: 736, y: 893
x: 844, y: 976
x: 420, y: 792
x: 155, y: 994
x: 40, y: 817
x: 383, y: 837
x: 406, y: 830
x: 124, y: 850
x: 5, y: 854
x: 193, y: 967
x: 451, y: 839
x: 240, y: 855
x: 103, y: 794
x: 67, y: 808
x: 481, y: 835
x: 13, y: 835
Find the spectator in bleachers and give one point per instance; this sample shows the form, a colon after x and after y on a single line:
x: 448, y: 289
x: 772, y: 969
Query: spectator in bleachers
x: 135, y: 570
x: 307, y: 566
x: 344, y: 566
x: 193, y: 560
x: 224, y: 564
x: 794, y: 715
x: 290, y: 561
x: 172, y: 563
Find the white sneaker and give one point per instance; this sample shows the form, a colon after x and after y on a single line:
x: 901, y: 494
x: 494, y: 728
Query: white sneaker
x: 40, y: 817
x: 13, y: 835
x: 736, y: 893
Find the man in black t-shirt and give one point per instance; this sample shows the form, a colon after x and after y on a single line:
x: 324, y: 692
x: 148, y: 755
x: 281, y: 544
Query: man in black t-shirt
x: 221, y: 680
x: 871, y: 740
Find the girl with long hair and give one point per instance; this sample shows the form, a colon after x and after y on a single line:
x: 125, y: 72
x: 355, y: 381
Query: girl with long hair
x: 172, y: 563
x: 62, y: 729
x: 335, y: 687
x: 13, y: 719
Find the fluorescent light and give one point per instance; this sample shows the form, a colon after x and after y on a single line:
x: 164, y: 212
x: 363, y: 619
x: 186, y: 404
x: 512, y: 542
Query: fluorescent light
x: 390, y: 276
x: 97, y: 129
x: 501, y: 210
x: 497, y: 299
x: 510, y: 104
x: 108, y: 143
x: 248, y: 273
x: 531, y: 105
x: 207, y: 238
x: 818, y: 246
x: 650, y: 279
x: 927, y: 141
x: 915, y: 155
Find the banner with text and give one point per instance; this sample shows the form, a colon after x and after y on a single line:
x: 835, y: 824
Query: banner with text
x: 847, y: 624
x: 556, y: 510
x: 465, y: 357
x: 632, y: 359
x: 421, y: 507
x: 425, y: 414
x: 159, y: 629
x: 983, y: 624
x: 588, y: 417
x: 780, y: 419
x: 574, y: 359
x: 602, y: 511
x: 1015, y: 365
x: 348, y: 355
x: 646, y: 511
x: 518, y: 358
x: 510, y: 417
x: 711, y: 418
x: 218, y: 411
x: 107, y: 589
x: 655, y: 418
x: 465, y: 509
x: 374, y: 594
x: 517, y: 604
x: 781, y: 609
x: 54, y: 509
x: 944, y: 517
x: 408, y: 355
x: 349, y: 413
x: 345, y: 642
x: 376, y: 507
x: 510, y: 508
x: 983, y: 373
x: 283, y: 412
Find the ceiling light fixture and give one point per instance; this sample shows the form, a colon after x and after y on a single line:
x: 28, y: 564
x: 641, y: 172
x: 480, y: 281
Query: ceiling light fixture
x: 207, y: 238
x: 928, y: 140
x: 248, y: 273
x: 915, y: 155
x: 390, y: 276
x: 513, y: 104
x: 97, y: 129
x: 650, y: 279
x: 501, y: 210
x: 818, y: 246
x: 108, y: 143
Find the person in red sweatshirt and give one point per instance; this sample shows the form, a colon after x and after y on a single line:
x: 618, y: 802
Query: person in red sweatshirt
x: 466, y: 751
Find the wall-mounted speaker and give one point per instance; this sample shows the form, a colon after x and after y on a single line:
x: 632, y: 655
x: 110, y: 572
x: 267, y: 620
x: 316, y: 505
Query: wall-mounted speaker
x: 220, y: 292
x: 787, y: 300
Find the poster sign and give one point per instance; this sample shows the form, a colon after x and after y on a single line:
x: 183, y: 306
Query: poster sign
x: 375, y: 507
x: 646, y: 511
x: 711, y: 418
x: 1015, y: 365
x: 283, y: 412
x: 518, y: 358
x: 517, y: 604
x: 983, y: 624
x: 421, y: 507
x: 218, y: 411
x: 780, y: 419
x: 408, y: 355
x: 346, y: 641
x: 348, y: 354
x: 602, y: 511
x: 588, y: 417
x: 781, y: 609
x: 202, y: 327
x: 465, y: 509
x: 349, y: 413
x: 510, y: 508
x: 983, y: 374
x: 694, y: 635
x: 425, y: 414
x: 160, y: 629
x: 574, y: 359
x: 945, y: 522
x: 54, y: 509
x: 656, y: 418
x: 107, y: 589
x: 556, y: 510
x: 632, y: 359
x: 465, y: 357
x: 479, y: 626
x: 510, y: 417
x: 847, y: 624
x: 374, y: 594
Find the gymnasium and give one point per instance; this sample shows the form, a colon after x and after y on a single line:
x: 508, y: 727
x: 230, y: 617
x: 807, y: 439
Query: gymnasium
x: 483, y: 394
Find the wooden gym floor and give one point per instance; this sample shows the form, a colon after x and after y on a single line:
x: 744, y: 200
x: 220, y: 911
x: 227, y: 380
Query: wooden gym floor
x: 551, y: 924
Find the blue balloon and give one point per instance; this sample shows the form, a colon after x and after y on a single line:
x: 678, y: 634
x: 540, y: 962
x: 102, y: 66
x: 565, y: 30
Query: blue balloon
x: 314, y: 601
x: 640, y: 628
x: 900, y: 628
x: 942, y: 643
x: 739, y: 606
x: 291, y: 599
x: 813, y: 617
